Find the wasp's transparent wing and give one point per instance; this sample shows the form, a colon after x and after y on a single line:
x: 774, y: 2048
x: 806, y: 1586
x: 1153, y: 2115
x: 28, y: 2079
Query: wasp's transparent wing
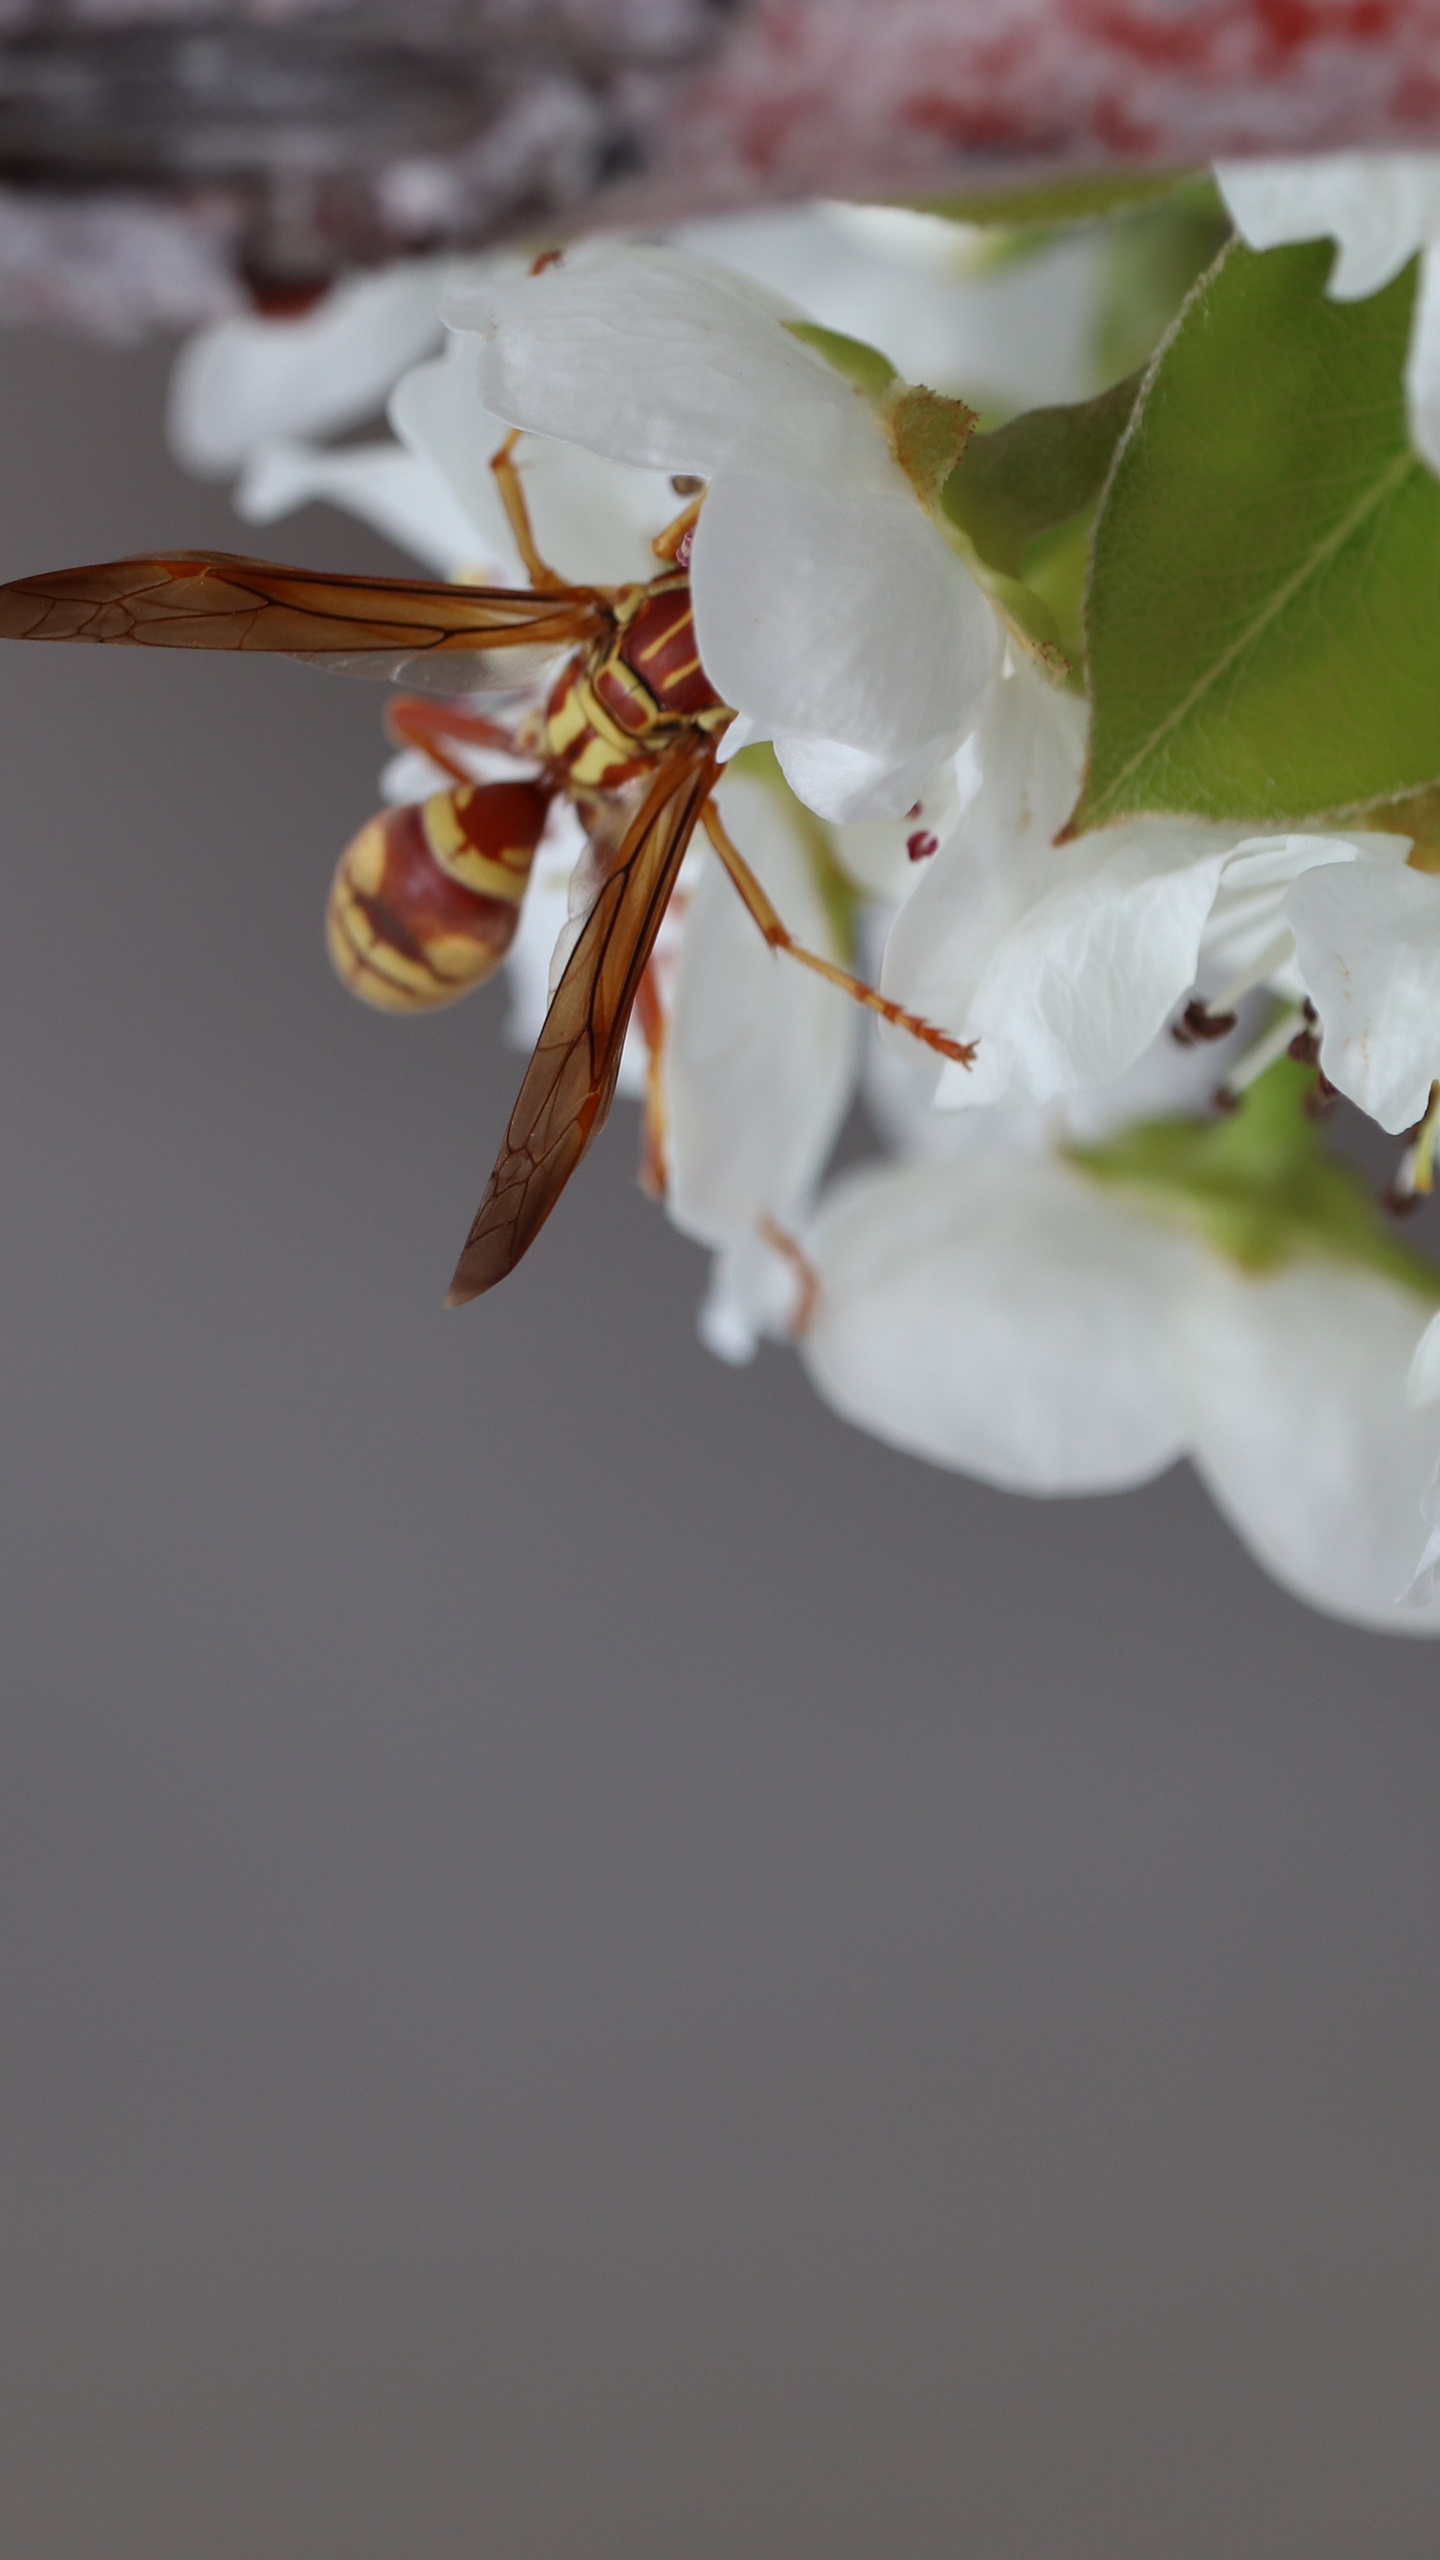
x: 211, y: 600
x: 570, y: 1081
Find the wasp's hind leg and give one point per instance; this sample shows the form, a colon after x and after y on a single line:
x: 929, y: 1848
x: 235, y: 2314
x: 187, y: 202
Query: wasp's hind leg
x: 780, y: 938
x: 513, y: 500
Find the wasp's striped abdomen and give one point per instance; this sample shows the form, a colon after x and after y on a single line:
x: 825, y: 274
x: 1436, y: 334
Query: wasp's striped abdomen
x: 426, y: 899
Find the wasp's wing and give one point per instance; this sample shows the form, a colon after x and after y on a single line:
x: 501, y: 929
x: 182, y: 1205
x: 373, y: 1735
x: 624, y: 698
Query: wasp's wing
x: 209, y: 600
x: 570, y: 1081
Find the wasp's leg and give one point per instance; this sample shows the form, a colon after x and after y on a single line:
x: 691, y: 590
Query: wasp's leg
x: 780, y: 938
x: 512, y: 499
x: 672, y: 544
x: 417, y: 720
x: 650, y: 1014
x: 807, y: 1278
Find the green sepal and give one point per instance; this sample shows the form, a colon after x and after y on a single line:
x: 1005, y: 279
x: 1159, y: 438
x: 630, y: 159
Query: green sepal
x: 1028, y: 477
x: 1263, y: 639
x: 864, y: 366
x: 928, y: 430
x: 929, y: 433
x: 1256, y: 1185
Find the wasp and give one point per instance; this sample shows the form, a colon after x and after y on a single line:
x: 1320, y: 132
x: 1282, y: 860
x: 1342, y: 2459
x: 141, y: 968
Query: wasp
x: 426, y: 899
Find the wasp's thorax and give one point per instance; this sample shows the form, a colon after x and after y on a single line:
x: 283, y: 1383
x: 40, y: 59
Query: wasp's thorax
x: 637, y: 688
x: 426, y: 899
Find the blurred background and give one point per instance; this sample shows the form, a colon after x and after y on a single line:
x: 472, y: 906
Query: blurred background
x: 593, y: 1964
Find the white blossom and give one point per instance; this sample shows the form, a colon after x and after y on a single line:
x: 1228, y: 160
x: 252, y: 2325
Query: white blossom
x: 981, y: 1299
x: 1004, y: 1315
x: 831, y: 612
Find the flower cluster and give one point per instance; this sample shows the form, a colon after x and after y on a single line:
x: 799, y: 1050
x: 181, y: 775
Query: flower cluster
x: 1166, y: 874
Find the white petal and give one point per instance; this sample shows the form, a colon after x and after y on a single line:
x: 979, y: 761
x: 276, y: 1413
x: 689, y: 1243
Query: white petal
x: 1089, y: 976
x: 1248, y: 938
x: 875, y: 853
x: 1422, y: 1386
x: 594, y: 520
x: 1007, y: 1318
x: 761, y: 1054
x: 1030, y: 746
x: 1380, y: 207
x: 545, y: 922
x: 840, y: 619
x: 1010, y: 334
x: 847, y: 783
x: 1367, y: 940
x: 1167, y: 1081
x: 247, y: 379
x: 753, y: 1292
x: 395, y: 491
x: 1425, y: 1580
x: 652, y: 359
x: 1422, y: 364
x: 1303, y: 1434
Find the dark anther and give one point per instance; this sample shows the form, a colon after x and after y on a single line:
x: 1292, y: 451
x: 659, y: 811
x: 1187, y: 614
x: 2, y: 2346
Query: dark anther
x: 1400, y: 1203
x: 284, y: 297
x: 686, y: 484
x: 1320, y: 1101
x: 1309, y: 1011
x: 1305, y: 1048
x: 1225, y: 1100
x: 921, y: 845
x: 1197, y: 1022
x: 547, y: 258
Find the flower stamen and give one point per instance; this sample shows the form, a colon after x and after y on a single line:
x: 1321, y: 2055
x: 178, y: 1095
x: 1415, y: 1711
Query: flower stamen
x: 1415, y: 1174
x: 1272, y: 1044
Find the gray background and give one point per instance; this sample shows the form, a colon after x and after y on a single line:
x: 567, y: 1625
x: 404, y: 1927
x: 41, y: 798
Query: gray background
x: 591, y: 1963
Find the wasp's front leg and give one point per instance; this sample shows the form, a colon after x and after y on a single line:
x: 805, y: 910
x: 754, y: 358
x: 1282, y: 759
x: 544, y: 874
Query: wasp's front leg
x: 516, y: 506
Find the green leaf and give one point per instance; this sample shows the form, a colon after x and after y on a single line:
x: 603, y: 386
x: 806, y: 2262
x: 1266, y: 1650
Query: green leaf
x: 1256, y: 1185
x: 1034, y: 474
x: 1263, y: 618
x: 1152, y: 260
x: 1086, y: 197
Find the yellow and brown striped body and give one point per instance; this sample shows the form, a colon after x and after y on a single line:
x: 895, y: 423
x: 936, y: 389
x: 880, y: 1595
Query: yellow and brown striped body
x: 637, y: 688
x: 426, y: 899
